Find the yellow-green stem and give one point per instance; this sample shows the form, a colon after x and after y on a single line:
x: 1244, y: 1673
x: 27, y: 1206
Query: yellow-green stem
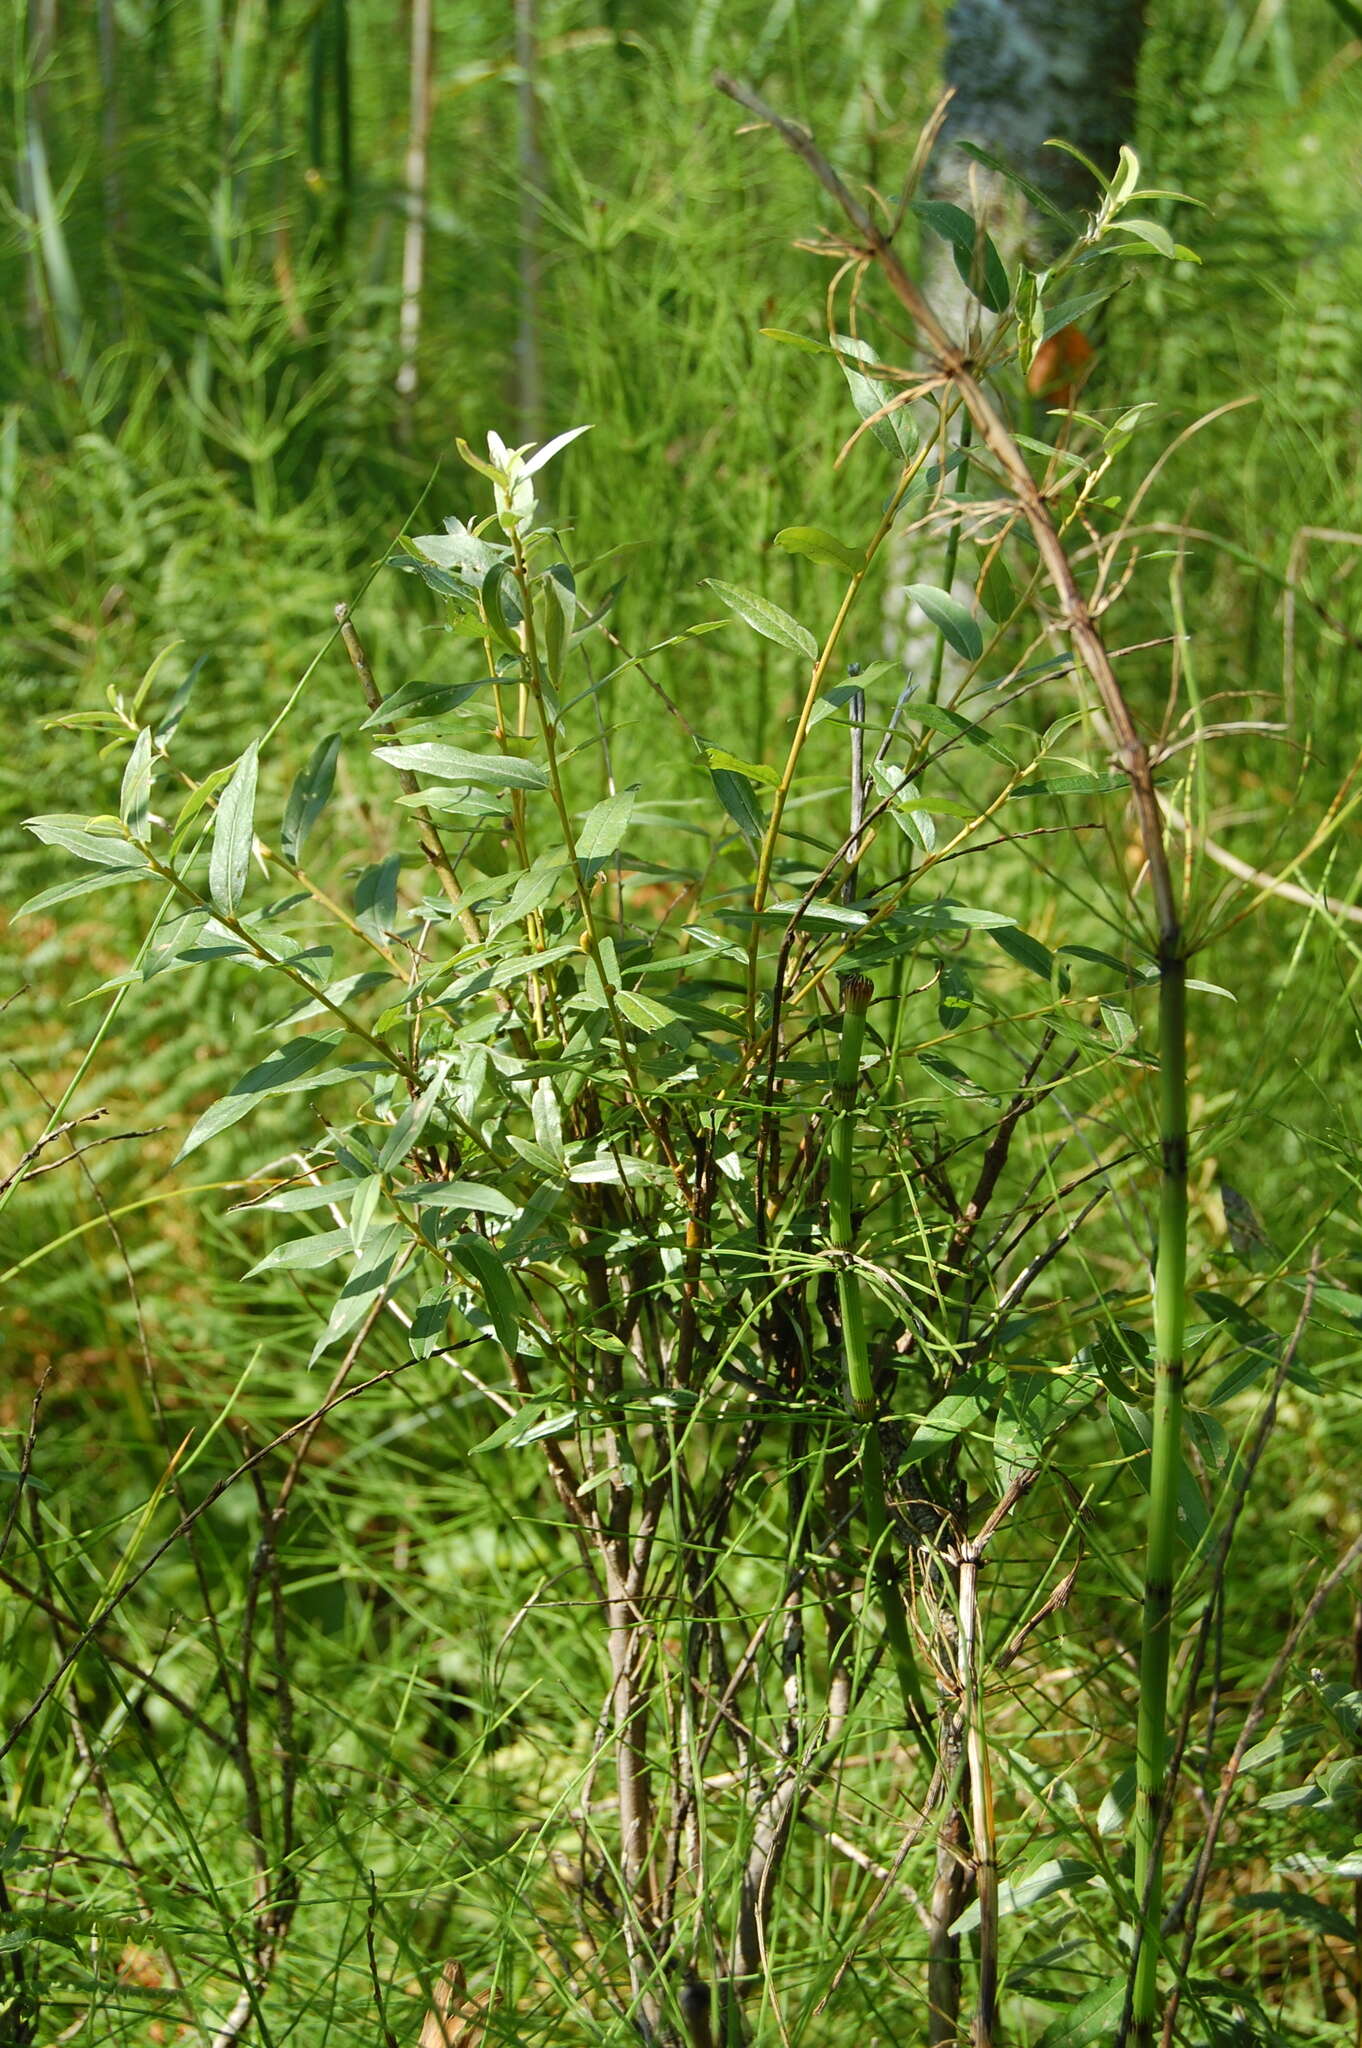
x: 856, y: 993
x: 771, y: 837
x: 1170, y: 1281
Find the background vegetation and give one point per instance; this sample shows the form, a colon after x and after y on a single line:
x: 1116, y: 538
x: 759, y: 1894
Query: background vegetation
x: 202, y: 450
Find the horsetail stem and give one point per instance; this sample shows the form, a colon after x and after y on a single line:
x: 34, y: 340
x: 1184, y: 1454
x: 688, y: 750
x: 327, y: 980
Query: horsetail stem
x: 857, y: 990
x: 1170, y: 1280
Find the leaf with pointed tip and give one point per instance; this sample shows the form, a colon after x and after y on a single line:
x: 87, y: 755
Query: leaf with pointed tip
x: 309, y: 797
x: 818, y: 545
x: 1015, y: 1894
x: 551, y: 448
x: 134, y: 802
x: 229, y: 857
x: 483, y: 1265
x: 765, y: 618
x: 99, y: 849
x: 738, y: 798
x: 950, y: 618
x: 83, y: 885
x: 980, y: 266
x: 604, y: 826
x: 457, y: 764
x: 893, y: 429
x: 288, y: 1068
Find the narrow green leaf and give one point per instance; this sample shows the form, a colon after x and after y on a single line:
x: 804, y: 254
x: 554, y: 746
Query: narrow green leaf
x: 1082, y: 782
x: 950, y: 618
x: 1120, y: 1024
x: 309, y: 797
x: 1026, y: 951
x: 643, y: 1012
x: 306, y: 1254
x: 429, y: 1322
x: 483, y: 1265
x: 1015, y: 1894
x: 907, y: 811
x: 1151, y: 232
x: 976, y: 257
x: 83, y: 885
x: 462, y: 1195
x: 603, y: 828
x: 376, y: 898
x: 229, y: 857
x: 405, y: 1134
x: 457, y: 764
x: 765, y: 618
x: 310, y: 1195
x: 289, y: 1068
x: 817, y: 545
x: 381, y: 1258
x: 1299, y: 1906
x: 738, y: 798
x: 548, y: 1119
x: 98, y: 849
x: 418, y: 700
x: 803, y: 342
x: 894, y: 430
x: 1091, y: 2019
x: 952, y: 1415
x: 551, y: 448
x: 751, y: 771
x: 536, y: 886
x: 1037, y: 198
x: 134, y: 802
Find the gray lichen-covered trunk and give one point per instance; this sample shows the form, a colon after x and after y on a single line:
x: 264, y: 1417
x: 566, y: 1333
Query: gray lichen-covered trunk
x: 1024, y: 70
x: 1021, y: 72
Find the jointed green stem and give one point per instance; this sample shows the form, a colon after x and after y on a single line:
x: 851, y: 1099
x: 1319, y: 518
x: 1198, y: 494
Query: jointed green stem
x: 1169, y: 1316
x: 856, y: 994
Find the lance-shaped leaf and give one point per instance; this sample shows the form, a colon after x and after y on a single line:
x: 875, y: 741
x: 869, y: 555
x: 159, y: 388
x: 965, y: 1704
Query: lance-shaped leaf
x: 483, y: 1265
x: 893, y: 430
x: 73, y: 835
x: 309, y: 797
x: 817, y: 545
x: 765, y: 618
x: 457, y: 764
x: 288, y: 1069
x: 134, y: 802
x: 950, y: 618
x: 229, y: 858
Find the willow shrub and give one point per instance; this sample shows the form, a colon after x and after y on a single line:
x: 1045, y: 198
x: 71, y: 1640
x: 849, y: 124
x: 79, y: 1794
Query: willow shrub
x: 755, y: 1164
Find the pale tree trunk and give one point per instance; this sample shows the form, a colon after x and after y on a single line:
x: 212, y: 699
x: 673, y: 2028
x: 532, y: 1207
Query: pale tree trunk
x: 1026, y: 70
x: 417, y: 175
x: 530, y: 174
x: 1020, y: 72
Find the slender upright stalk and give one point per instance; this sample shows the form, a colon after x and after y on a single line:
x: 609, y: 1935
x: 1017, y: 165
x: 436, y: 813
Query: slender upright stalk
x: 417, y: 175
x: 856, y: 993
x: 952, y: 560
x: 530, y: 179
x: 1170, y: 1283
x: 980, y: 1779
